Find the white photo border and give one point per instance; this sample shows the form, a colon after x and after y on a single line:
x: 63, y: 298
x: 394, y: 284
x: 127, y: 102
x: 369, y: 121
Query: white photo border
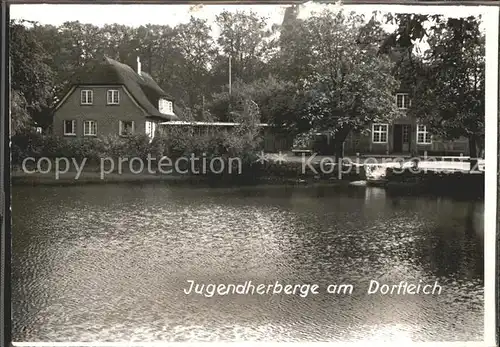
x: 490, y: 16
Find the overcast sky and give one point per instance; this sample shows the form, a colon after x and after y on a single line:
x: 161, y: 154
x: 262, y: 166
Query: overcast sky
x: 136, y: 15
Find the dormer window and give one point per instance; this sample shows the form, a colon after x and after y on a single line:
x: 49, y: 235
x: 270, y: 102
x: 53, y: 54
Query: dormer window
x: 165, y: 106
x: 86, y: 97
x: 113, y: 97
x: 402, y: 101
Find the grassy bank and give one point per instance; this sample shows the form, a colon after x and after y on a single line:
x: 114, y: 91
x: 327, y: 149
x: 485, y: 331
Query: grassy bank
x: 33, y: 179
x: 269, y: 172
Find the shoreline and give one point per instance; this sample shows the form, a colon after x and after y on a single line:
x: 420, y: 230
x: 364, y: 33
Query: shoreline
x: 92, y: 177
x: 451, y: 183
x: 442, y: 186
x: 89, y: 177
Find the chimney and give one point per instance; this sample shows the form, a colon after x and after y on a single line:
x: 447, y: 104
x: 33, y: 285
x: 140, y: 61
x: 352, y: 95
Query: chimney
x: 139, y: 66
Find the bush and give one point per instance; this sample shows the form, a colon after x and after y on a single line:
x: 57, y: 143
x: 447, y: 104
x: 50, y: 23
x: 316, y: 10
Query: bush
x: 26, y: 144
x: 175, y: 142
x: 303, y: 141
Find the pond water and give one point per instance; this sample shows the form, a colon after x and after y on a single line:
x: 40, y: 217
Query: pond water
x: 111, y: 262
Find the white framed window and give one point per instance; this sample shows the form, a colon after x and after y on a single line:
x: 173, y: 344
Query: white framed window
x: 165, y: 106
x: 89, y: 128
x: 113, y: 97
x: 402, y: 101
x: 150, y: 128
x: 126, y: 127
x: 69, y: 127
x: 86, y: 97
x: 423, y: 136
x: 379, y: 133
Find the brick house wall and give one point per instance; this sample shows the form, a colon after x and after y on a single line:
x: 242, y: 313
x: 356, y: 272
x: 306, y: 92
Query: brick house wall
x: 363, y: 144
x: 402, y: 136
x: 106, y: 116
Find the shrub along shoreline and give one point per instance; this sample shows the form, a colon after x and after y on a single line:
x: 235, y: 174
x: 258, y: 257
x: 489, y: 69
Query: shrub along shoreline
x: 229, y: 156
x: 251, y: 173
x: 220, y: 146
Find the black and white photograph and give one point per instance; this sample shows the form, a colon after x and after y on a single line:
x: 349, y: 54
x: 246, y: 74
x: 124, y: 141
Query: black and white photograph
x: 303, y: 172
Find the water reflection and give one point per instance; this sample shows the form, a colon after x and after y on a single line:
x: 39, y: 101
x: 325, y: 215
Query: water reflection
x: 110, y: 263
x: 374, y: 193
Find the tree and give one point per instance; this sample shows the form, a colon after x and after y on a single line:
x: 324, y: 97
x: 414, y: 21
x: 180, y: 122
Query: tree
x: 349, y: 84
x: 280, y: 104
x: 31, y: 77
x: 448, y: 79
x: 245, y: 38
x: 291, y: 63
x: 194, y: 42
x: 410, y: 29
x: 450, y: 95
x: 20, y: 118
x: 118, y: 42
x: 184, y: 60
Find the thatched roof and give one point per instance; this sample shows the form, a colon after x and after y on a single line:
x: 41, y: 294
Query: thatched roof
x: 143, y: 88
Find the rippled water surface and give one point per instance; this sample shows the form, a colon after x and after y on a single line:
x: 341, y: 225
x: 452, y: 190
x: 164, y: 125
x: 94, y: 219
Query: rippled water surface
x: 110, y: 263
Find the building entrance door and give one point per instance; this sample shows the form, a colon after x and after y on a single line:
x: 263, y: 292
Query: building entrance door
x: 401, y: 138
x: 397, y: 144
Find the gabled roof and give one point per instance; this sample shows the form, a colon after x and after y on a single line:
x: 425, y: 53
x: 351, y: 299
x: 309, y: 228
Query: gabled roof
x: 145, y: 91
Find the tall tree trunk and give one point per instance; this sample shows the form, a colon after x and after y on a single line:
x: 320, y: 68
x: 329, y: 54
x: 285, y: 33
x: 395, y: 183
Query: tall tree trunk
x: 473, y: 152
